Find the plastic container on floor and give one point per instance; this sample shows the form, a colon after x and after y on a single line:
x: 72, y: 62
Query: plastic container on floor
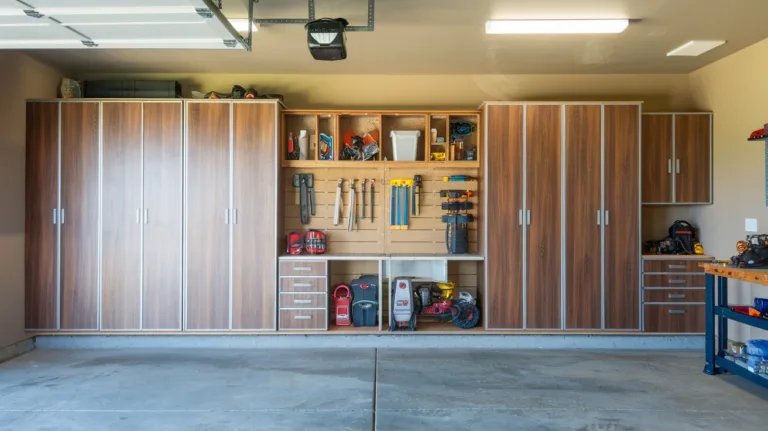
x: 404, y: 144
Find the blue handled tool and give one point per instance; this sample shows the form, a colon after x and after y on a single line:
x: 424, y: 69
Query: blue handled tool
x: 392, y: 205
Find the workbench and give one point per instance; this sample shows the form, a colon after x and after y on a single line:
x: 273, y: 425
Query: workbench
x: 718, y: 314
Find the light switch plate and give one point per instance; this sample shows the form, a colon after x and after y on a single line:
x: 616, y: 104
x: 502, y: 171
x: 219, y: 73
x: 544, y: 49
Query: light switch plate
x: 750, y: 225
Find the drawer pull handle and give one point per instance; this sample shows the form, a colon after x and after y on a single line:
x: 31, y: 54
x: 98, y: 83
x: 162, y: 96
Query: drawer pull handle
x: 673, y: 281
x: 302, y: 284
x: 676, y: 267
x: 310, y: 317
x: 302, y: 268
x: 302, y: 301
x: 676, y: 296
x: 676, y: 311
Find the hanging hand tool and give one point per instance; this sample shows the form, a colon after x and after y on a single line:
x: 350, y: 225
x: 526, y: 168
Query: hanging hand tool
x: 337, y: 207
x: 363, y: 196
x: 459, y: 178
x: 311, y: 187
x: 406, y: 207
x: 300, y: 181
x: 351, y: 218
x: 392, y: 208
x: 354, y: 201
x: 372, y: 181
x: 416, y: 194
x: 399, y: 204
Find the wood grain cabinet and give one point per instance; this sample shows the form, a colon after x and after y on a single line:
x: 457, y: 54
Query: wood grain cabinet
x: 674, y: 293
x: 141, y: 215
x: 231, y: 226
x: 677, y: 158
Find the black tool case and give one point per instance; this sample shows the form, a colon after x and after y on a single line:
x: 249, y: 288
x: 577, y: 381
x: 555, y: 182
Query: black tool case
x: 365, y: 300
x: 132, y: 89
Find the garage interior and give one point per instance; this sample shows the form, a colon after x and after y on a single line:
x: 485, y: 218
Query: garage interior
x: 476, y: 216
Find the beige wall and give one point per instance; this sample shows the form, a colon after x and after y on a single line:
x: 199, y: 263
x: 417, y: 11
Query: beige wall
x: 21, y: 77
x: 736, y: 90
x: 659, y: 92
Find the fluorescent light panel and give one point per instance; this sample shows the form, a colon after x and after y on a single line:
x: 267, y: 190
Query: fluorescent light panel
x: 556, y: 26
x: 241, y: 24
x: 26, y: 24
x: 695, y: 48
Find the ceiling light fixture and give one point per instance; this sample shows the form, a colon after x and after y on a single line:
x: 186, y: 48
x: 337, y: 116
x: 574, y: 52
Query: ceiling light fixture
x: 241, y: 25
x: 695, y: 48
x: 27, y: 43
x: 556, y: 26
x: 26, y: 24
x: 6, y: 11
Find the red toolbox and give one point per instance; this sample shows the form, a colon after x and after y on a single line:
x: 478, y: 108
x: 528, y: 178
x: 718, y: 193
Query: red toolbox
x: 342, y: 297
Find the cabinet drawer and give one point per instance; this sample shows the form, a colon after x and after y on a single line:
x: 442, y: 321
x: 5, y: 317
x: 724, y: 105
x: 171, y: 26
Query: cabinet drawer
x: 303, y: 319
x: 302, y: 269
x: 674, y: 280
x: 303, y: 285
x: 674, y: 318
x: 672, y: 265
x: 682, y: 295
x: 302, y: 300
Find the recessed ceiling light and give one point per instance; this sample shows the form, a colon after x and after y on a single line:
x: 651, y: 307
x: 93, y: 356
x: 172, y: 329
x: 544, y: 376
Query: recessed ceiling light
x: 695, y: 48
x: 556, y: 26
x: 241, y: 25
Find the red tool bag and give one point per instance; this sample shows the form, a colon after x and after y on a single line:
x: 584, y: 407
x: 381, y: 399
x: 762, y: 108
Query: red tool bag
x: 295, y: 243
x: 342, y: 296
x: 314, y: 242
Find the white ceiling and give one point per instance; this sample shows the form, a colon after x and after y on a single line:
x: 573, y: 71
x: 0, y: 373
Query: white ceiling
x: 448, y: 37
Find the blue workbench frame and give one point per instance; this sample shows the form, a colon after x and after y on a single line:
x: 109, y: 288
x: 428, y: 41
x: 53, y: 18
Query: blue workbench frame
x: 718, y: 314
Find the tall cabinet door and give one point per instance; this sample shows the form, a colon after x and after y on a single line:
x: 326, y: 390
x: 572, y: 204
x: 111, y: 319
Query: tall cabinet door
x: 162, y: 246
x: 254, y: 239
x: 543, y: 255
x: 657, y: 158
x: 41, y: 216
x: 121, y: 208
x: 693, y: 149
x: 79, y: 215
x: 622, y: 217
x: 504, y: 241
x: 208, y: 216
x: 583, y: 173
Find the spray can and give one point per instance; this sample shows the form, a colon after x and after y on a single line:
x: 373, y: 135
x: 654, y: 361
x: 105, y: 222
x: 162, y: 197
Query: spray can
x: 303, y: 145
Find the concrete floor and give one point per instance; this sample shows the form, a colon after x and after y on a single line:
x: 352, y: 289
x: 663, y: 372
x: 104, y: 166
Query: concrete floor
x: 281, y: 389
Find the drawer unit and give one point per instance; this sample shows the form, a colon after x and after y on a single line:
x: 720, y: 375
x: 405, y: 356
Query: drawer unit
x: 674, y: 295
x: 669, y: 265
x: 303, y: 300
x: 308, y: 320
x: 294, y: 268
x: 674, y: 280
x: 674, y: 318
x: 300, y: 285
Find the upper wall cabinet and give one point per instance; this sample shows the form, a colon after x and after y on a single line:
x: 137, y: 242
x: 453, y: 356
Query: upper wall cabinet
x: 677, y: 158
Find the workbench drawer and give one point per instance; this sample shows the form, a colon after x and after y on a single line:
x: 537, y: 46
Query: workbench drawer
x: 672, y: 265
x: 674, y: 318
x: 301, y: 285
x: 675, y: 295
x: 303, y: 320
x: 674, y: 280
x: 303, y: 300
x: 294, y: 268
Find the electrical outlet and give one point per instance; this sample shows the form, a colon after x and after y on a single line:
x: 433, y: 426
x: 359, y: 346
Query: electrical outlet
x: 750, y: 225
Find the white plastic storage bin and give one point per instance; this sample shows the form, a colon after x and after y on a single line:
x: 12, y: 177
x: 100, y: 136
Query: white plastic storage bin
x: 405, y: 144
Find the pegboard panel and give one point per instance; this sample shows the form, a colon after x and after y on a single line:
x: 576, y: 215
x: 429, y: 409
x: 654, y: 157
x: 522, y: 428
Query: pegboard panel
x: 465, y: 274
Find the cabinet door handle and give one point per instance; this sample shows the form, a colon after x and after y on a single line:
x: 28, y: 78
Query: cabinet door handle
x: 62, y: 216
x: 520, y: 217
x: 528, y: 217
x: 302, y: 301
x: 138, y: 215
x: 607, y: 214
x: 302, y: 268
x: 234, y: 216
x: 674, y: 281
x: 676, y: 296
x: 676, y: 311
x: 226, y: 216
x: 302, y: 317
x: 669, y: 166
x: 302, y: 284
x: 54, y: 216
x: 598, y: 218
x: 677, y: 166
x: 146, y: 215
x: 676, y: 266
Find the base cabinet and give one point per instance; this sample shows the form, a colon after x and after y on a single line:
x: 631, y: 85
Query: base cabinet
x: 674, y: 294
x: 303, y: 295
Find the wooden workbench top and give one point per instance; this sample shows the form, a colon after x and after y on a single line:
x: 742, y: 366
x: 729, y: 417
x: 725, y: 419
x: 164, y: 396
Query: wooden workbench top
x: 757, y: 276
x: 678, y: 257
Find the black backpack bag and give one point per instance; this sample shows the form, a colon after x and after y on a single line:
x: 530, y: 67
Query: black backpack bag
x: 682, y: 237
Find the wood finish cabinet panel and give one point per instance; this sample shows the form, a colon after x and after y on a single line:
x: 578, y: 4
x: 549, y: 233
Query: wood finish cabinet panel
x: 79, y: 216
x: 296, y: 284
x: 254, y: 247
x: 303, y: 319
x: 657, y: 158
x: 622, y: 219
x: 207, y: 189
x: 668, y: 265
x: 692, y: 153
x: 41, y: 216
x: 674, y: 318
x: 674, y: 280
x: 583, y: 269
x: 162, y: 282
x: 675, y: 295
x: 543, y: 167
x: 121, y: 212
x: 504, y: 259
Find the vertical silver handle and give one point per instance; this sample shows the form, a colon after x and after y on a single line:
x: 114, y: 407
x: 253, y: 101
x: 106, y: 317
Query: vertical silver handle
x: 669, y: 166
x: 598, y: 218
x: 677, y: 166
x: 528, y: 217
x: 234, y: 216
x: 520, y: 217
x: 54, y: 216
x: 226, y: 216
x: 138, y: 215
x: 61, y: 219
x: 146, y: 216
x: 607, y: 214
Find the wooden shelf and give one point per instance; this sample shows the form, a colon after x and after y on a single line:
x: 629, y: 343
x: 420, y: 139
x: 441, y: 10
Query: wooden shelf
x: 308, y: 164
x: 765, y: 139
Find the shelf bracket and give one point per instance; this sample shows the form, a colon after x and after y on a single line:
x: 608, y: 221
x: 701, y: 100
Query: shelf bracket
x: 311, y: 17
